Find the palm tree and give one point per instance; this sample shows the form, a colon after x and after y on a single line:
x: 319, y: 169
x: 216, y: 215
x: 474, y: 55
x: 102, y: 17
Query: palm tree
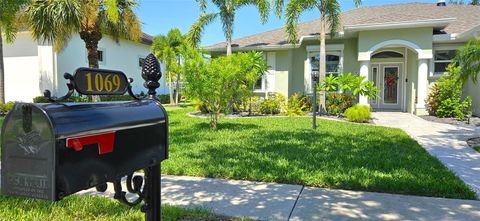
x: 329, y: 13
x: 167, y: 48
x: 8, y: 27
x: 468, y: 58
x: 227, y: 10
x: 57, y: 20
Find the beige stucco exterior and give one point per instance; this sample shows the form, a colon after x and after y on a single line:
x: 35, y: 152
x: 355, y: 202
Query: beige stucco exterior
x: 292, y: 65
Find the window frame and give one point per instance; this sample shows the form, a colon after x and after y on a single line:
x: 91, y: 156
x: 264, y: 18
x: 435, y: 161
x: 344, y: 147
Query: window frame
x: 263, y: 78
x: 104, y: 56
x: 433, y: 73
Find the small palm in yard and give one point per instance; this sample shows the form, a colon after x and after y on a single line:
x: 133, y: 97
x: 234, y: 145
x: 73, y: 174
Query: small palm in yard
x: 167, y: 48
x: 227, y: 10
x: 329, y: 13
x: 8, y: 28
x: 468, y: 58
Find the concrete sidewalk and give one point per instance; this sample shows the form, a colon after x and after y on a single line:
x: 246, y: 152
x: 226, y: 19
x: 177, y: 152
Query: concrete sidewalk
x: 444, y: 141
x: 271, y: 201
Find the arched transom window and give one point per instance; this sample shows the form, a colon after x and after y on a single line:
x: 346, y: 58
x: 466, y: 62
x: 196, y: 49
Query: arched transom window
x: 387, y: 54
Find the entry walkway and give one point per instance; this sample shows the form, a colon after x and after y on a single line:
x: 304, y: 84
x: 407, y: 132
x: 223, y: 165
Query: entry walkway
x: 272, y: 201
x: 444, y: 141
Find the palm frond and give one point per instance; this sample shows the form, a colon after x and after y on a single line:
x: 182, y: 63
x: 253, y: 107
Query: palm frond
x: 194, y: 35
x: 8, y: 17
x: 54, y: 20
x: 294, y: 9
x: 112, y: 12
x: 468, y: 58
x: 332, y: 13
x: 279, y: 4
x: 203, y: 5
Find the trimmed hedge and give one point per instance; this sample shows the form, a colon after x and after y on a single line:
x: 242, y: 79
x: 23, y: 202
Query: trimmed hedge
x: 358, y: 113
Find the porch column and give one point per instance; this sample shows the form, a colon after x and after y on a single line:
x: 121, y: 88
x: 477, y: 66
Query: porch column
x: 422, y: 86
x: 364, y: 67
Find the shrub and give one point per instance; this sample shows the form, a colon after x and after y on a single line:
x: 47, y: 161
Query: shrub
x: 445, y: 96
x: 297, y: 105
x: 251, y: 105
x: 5, y: 108
x: 337, y: 103
x: 358, y: 113
x: 219, y: 82
x: 343, y: 90
x: 273, y: 104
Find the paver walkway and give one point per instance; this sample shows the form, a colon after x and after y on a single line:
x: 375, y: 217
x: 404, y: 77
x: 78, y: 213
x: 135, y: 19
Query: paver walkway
x: 444, y: 141
x: 272, y: 201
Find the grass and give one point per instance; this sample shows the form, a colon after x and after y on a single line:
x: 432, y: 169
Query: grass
x: 285, y: 150
x: 477, y: 148
x: 90, y: 208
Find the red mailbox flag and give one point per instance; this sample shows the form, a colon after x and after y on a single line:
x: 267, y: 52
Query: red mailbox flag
x: 104, y: 140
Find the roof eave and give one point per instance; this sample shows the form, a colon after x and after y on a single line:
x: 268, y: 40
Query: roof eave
x: 435, y: 23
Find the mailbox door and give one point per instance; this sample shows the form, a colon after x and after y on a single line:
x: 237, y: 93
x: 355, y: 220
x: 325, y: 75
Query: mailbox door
x: 28, y: 154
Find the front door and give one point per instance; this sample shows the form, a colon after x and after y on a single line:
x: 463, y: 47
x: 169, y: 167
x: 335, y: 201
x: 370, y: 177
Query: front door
x: 389, y: 79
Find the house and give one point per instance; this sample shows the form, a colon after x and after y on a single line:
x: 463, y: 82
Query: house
x: 33, y: 66
x: 401, y: 47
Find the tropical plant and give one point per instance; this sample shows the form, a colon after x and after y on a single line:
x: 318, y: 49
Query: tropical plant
x: 168, y: 49
x: 227, y: 10
x: 468, y: 58
x: 273, y: 104
x: 329, y: 13
x: 8, y: 28
x: 215, y: 82
x: 445, y: 96
x: 358, y: 113
x: 343, y: 89
x: 337, y: 103
x: 297, y: 105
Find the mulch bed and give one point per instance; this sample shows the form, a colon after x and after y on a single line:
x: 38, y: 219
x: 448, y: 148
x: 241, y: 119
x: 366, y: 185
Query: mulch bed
x: 474, y: 121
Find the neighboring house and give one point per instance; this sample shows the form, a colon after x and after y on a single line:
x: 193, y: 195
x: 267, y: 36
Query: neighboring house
x: 33, y: 66
x: 401, y: 47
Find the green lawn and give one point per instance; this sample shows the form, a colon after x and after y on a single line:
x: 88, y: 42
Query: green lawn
x: 285, y: 150
x: 90, y: 208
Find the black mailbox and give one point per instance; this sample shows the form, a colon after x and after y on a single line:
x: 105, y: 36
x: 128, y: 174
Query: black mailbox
x: 53, y: 150
x: 50, y: 151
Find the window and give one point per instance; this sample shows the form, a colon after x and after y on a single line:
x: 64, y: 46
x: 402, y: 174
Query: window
x: 141, y: 61
x: 387, y: 54
x: 442, y: 58
x: 259, y: 84
x: 100, y: 56
x: 333, y: 63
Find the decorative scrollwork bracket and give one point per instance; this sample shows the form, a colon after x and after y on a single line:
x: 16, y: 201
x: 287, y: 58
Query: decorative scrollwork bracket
x: 71, y: 89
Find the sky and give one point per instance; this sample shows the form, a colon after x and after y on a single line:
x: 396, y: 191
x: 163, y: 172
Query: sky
x: 159, y: 16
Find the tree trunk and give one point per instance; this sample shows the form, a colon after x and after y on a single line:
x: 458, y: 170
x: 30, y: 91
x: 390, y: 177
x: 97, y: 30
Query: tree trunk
x: 2, y: 71
x: 177, y: 91
x: 323, y: 66
x: 229, y: 47
x: 91, y: 39
x: 170, y: 86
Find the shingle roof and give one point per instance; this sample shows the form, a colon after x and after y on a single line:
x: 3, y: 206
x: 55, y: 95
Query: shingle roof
x: 466, y: 17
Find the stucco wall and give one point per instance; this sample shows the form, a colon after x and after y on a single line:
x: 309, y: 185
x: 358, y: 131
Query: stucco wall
x: 21, y: 69
x: 421, y: 37
x: 412, y: 69
x: 121, y: 56
x: 350, y: 54
x: 281, y: 74
x: 297, y: 79
x: 473, y: 90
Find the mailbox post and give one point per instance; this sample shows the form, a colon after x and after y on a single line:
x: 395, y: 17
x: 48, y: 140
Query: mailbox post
x: 50, y: 151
